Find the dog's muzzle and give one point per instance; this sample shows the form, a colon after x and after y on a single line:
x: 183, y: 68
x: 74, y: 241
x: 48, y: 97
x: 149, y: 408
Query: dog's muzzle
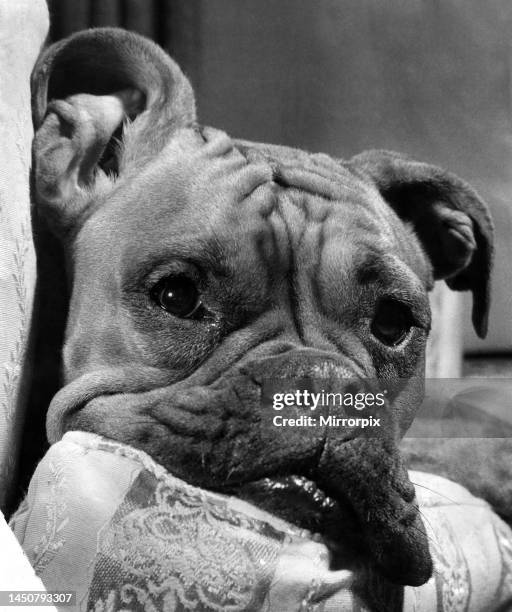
x: 340, y: 480
x: 353, y: 489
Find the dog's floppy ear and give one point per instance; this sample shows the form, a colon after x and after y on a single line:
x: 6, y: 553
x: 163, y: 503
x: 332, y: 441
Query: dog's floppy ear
x: 450, y: 219
x: 104, y: 101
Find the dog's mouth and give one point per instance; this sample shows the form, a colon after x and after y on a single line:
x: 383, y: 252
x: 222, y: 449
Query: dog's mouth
x: 302, y: 502
x: 398, y: 551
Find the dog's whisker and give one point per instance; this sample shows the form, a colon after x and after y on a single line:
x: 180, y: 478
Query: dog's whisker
x: 432, y: 537
x: 203, y: 461
x: 420, y: 531
x: 455, y: 503
x: 424, y: 517
x: 228, y: 475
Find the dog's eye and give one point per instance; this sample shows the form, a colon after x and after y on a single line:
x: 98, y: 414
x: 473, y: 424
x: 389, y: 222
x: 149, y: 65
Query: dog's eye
x: 391, y: 322
x: 177, y: 295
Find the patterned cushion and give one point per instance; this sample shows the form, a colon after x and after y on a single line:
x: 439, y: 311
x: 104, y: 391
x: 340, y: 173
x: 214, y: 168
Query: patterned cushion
x: 106, y: 521
x: 23, y: 27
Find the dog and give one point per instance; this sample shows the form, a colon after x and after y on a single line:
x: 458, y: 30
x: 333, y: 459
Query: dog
x: 201, y: 266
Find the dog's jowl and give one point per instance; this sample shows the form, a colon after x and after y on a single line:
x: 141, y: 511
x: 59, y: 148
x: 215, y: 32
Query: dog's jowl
x: 201, y: 267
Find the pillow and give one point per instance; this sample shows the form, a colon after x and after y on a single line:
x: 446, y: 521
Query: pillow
x: 106, y: 521
x: 23, y: 28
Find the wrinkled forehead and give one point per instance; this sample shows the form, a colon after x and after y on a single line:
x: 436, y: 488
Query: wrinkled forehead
x: 196, y: 207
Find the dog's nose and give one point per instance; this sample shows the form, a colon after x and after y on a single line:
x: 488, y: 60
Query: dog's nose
x: 323, y: 383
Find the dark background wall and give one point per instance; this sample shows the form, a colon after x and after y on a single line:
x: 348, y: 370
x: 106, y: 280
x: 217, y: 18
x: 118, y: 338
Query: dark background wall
x: 171, y: 23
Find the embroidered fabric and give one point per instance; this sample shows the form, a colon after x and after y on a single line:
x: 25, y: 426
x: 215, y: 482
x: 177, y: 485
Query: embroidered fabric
x: 23, y: 27
x: 106, y: 521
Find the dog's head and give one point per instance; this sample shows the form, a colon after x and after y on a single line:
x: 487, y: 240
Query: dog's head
x: 201, y: 266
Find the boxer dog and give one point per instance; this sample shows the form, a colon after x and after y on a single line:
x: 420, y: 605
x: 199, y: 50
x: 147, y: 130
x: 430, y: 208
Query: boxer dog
x: 201, y: 266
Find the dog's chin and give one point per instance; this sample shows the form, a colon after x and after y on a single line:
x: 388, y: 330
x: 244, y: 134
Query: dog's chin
x: 303, y: 503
